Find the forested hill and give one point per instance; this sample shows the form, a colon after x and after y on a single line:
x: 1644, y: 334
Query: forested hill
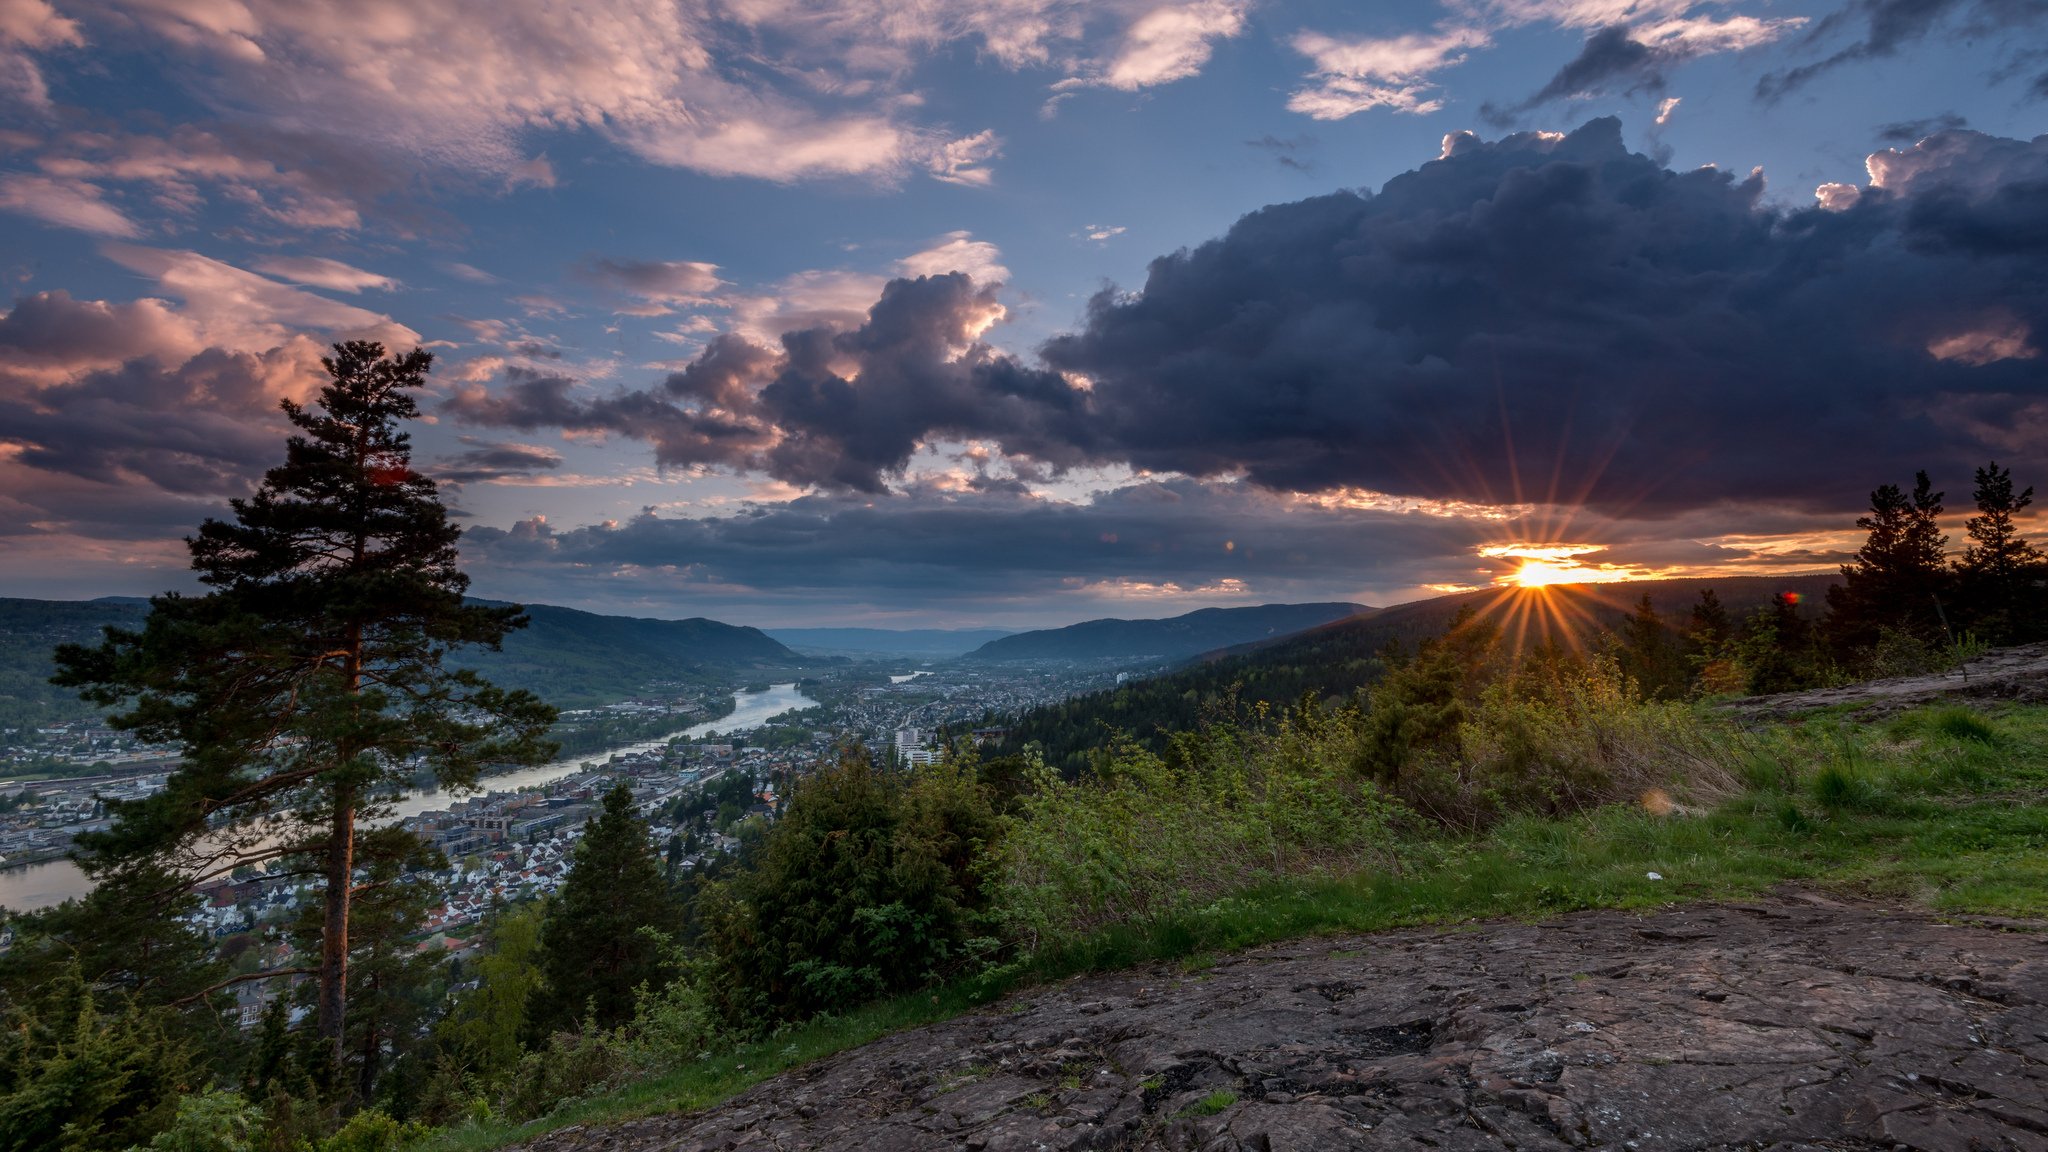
x: 29, y: 629
x: 1336, y: 660
x: 576, y: 658
x: 1177, y: 636
x: 571, y: 658
x: 935, y: 642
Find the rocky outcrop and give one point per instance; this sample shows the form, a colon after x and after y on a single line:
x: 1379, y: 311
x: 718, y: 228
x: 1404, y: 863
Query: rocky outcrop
x: 2017, y: 674
x: 1796, y: 1023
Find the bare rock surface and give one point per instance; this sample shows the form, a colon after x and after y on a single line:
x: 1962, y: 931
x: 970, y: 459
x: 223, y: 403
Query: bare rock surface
x: 1792, y: 1023
x: 2018, y: 674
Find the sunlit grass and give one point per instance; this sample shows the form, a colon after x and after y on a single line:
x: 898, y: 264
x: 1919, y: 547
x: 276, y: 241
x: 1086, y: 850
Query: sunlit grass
x: 1939, y: 808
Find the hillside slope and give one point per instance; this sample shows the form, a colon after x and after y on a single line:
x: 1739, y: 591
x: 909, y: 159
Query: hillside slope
x: 933, y: 642
x: 569, y: 657
x: 1337, y: 659
x: 1176, y: 636
x: 1698, y: 1026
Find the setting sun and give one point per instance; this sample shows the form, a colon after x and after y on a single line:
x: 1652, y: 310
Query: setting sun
x: 1541, y: 565
x: 1541, y: 573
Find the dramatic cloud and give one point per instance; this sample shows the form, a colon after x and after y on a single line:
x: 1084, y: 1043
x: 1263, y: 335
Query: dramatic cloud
x: 1630, y: 43
x: 1544, y: 318
x: 946, y: 548
x: 320, y: 272
x: 768, y: 89
x: 657, y: 282
x: 129, y: 421
x: 65, y: 203
x: 485, y: 462
x: 833, y: 408
x: 1353, y: 76
x: 1884, y: 27
x: 238, y: 309
x: 26, y: 27
x: 1554, y: 315
x: 282, y: 181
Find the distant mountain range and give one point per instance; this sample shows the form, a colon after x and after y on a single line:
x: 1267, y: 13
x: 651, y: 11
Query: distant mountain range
x: 932, y: 642
x: 1337, y: 659
x: 575, y: 658
x: 1171, y: 638
x: 570, y: 658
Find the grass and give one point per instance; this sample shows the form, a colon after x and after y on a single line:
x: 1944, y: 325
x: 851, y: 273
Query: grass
x: 1940, y: 808
x: 1211, y: 1104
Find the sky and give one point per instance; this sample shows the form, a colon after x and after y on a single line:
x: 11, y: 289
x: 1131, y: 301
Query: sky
x: 1019, y: 312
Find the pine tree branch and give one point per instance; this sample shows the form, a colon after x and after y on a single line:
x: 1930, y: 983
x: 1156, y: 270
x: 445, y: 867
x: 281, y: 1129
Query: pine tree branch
x: 209, y: 990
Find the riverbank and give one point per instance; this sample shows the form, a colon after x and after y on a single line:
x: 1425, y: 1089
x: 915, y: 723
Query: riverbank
x: 28, y: 886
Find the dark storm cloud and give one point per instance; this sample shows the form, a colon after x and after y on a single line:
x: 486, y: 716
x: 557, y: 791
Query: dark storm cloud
x: 1537, y: 318
x: 1911, y: 131
x: 1559, y: 317
x: 205, y: 427
x: 988, y: 547
x: 1884, y: 27
x: 484, y: 461
x: 798, y: 414
x: 1611, y: 59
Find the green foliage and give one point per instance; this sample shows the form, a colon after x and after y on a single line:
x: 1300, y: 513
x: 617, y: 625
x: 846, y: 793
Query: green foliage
x: 212, y: 1121
x: 1413, y: 717
x: 1231, y: 805
x: 1565, y: 736
x: 867, y: 885
x: 1958, y: 723
x: 84, y: 1069
x: 603, y: 932
x: 1218, y: 1101
x: 481, y: 1032
x: 308, y: 685
x: 373, y: 1131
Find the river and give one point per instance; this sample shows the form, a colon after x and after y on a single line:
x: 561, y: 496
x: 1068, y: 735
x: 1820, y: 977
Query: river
x: 36, y: 886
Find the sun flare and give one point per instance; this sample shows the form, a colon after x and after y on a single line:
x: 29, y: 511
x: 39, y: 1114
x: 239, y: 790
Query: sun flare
x: 1543, y: 573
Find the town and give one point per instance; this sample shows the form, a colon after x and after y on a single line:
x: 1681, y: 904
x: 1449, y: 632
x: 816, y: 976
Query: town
x: 512, y: 839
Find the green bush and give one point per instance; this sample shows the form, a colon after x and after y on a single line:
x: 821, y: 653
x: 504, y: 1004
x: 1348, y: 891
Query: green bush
x: 1229, y: 807
x: 212, y: 1121
x: 1566, y: 736
x: 869, y: 884
x: 1961, y: 724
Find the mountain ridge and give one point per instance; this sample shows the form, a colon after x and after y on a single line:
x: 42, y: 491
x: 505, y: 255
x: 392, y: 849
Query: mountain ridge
x: 1185, y: 635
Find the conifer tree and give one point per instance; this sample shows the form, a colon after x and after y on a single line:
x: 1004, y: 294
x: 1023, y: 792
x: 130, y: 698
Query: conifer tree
x: 1900, y: 574
x: 593, y: 953
x: 307, y: 687
x: 1648, y: 655
x: 2000, y: 571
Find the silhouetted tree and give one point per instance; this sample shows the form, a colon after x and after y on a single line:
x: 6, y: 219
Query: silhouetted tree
x: 307, y: 687
x: 1649, y: 653
x: 593, y: 953
x: 1900, y: 575
x: 1778, y: 648
x: 2000, y: 572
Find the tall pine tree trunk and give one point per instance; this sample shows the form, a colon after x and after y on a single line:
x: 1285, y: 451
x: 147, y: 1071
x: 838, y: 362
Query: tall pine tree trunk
x: 340, y: 870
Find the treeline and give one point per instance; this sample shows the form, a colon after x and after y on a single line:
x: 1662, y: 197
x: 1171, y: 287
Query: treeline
x: 1904, y: 604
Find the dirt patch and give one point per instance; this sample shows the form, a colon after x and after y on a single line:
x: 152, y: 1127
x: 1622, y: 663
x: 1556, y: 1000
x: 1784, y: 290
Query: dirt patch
x: 1795, y: 1023
x: 2017, y: 674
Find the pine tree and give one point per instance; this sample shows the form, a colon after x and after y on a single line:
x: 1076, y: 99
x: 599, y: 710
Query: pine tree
x: 1900, y: 573
x: 593, y: 952
x: 2000, y: 571
x: 1648, y: 655
x: 307, y: 687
